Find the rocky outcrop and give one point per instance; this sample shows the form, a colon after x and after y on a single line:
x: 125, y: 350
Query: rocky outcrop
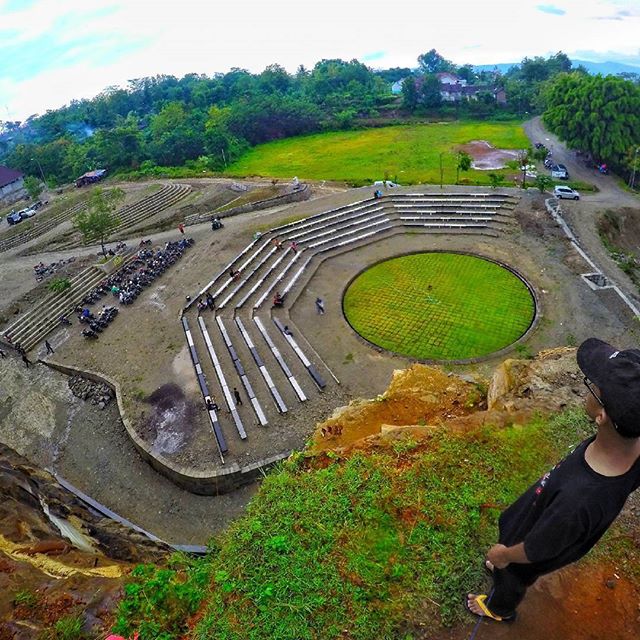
x: 58, y: 557
x: 422, y: 397
x: 93, y: 392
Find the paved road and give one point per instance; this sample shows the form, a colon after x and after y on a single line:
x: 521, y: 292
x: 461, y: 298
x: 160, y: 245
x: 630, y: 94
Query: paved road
x: 609, y: 191
x: 583, y: 216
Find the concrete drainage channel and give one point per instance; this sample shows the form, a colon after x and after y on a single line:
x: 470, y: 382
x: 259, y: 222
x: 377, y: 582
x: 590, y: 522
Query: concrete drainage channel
x: 105, y: 511
x: 595, y: 280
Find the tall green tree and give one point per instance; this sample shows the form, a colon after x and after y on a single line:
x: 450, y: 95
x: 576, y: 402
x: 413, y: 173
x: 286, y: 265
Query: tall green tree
x: 33, y: 186
x: 430, y: 91
x: 600, y: 115
x: 409, y: 94
x: 463, y: 164
x: 98, y: 220
x: 433, y: 62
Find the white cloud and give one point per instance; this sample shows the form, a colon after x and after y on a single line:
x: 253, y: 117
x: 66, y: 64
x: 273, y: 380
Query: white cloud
x: 205, y: 36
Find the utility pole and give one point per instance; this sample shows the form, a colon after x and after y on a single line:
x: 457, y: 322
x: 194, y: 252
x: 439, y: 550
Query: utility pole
x: 41, y: 171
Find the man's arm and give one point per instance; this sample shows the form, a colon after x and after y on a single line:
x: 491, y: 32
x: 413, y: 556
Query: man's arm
x: 501, y: 556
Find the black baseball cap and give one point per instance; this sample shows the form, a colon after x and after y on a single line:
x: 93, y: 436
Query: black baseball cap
x: 617, y: 375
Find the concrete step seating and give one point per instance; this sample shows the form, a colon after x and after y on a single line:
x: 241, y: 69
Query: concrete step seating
x: 204, y: 389
x: 277, y: 397
x: 144, y: 208
x: 40, y: 227
x: 226, y: 391
x: 237, y: 363
x: 334, y: 228
x: 34, y: 325
x: 278, y: 356
x: 263, y: 267
x: 310, y: 367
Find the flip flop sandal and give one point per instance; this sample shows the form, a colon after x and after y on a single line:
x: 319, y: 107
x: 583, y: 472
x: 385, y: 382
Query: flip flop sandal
x: 486, y: 612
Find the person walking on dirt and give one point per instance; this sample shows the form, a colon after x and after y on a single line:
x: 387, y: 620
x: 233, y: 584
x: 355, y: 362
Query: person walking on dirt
x: 49, y: 347
x: 181, y: 228
x: 320, y: 306
x: 562, y: 516
x: 236, y: 395
x: 26, y: 360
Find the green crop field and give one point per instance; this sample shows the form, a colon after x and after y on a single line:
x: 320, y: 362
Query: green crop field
x: 410, y: 154
x: 439, y: 306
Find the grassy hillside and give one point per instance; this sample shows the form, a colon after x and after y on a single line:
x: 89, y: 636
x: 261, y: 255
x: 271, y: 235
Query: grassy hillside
x: 369, y: 546
x: 409, y: 153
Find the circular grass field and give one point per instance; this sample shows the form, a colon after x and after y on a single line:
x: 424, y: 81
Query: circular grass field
x: 439, y: 306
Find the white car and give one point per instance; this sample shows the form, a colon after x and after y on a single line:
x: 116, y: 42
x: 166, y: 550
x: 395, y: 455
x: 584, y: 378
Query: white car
x: 385, y: 183
x: 560, y: 192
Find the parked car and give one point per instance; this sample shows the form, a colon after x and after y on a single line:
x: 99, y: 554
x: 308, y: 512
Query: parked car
x: 385, y: 183
x: 559, y: 171
x: 27, y: 213
x: 567, y: 193
x: 14, y: 218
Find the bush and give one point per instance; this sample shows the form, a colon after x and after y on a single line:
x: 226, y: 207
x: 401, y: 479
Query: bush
x: 158, y: 601
x: 58, y: 285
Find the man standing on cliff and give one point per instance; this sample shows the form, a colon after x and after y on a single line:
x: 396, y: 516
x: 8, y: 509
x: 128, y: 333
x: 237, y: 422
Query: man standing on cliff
x: 562, y: 516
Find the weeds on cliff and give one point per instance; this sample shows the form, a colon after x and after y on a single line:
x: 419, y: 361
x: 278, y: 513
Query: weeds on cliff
x: 25, y: 598
x: 360, y: 547
x: 159, y: 601
x: 67, y: 628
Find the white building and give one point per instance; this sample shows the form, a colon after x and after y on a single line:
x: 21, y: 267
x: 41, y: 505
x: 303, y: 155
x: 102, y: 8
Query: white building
x: 11, y: 185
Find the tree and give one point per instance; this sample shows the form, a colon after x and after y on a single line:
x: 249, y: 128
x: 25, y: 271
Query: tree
x: 409, y: 94
x: 463, y: 164
x: 495, y: 179
x: 433, y: 62
x: 524, y: 160
x: 33, y: 186
x: 98, y: 221
x: 543, y: 182
x: 430, y: 91
x: 599, y: 115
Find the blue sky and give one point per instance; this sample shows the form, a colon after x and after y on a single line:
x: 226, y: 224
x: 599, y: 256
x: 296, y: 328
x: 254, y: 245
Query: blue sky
x: 53, y: 51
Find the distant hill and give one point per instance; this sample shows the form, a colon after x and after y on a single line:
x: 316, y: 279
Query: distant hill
x: 604, y: 68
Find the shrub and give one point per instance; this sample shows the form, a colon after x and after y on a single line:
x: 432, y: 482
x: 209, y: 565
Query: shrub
x: 25, y: 598
x: 158, y: 601
x: 67, y: 628
x: 58, y: 285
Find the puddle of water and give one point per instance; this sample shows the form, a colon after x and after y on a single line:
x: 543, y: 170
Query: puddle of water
x: 486, y: 157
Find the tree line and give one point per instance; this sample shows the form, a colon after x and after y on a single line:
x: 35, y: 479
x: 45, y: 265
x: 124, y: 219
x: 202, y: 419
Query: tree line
x: 208, y: 122
x: 168, y: 121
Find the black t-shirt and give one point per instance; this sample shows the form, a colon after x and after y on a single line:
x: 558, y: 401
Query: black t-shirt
x: 566, y: 512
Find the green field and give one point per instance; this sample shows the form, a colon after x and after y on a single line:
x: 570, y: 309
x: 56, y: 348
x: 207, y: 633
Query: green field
x: 409, y: 153
x: 439, y: 306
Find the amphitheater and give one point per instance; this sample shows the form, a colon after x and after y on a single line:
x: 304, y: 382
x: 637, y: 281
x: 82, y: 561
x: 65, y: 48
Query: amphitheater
x: 290, y: 365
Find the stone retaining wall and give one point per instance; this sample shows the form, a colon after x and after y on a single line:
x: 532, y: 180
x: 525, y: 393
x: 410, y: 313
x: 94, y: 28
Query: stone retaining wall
x: 203, y: 483
x: 298, y: 195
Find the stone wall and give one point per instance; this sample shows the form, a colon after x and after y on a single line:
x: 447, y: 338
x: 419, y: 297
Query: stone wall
x: 216, y: 482
x: 297, y: 195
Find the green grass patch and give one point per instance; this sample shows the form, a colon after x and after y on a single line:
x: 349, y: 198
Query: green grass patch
x: 439, y: 306
x: 356, y: 549
x: 410, y: 154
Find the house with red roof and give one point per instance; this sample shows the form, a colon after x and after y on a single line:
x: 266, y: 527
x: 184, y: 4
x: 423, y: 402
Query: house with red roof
x: 11, y: 185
